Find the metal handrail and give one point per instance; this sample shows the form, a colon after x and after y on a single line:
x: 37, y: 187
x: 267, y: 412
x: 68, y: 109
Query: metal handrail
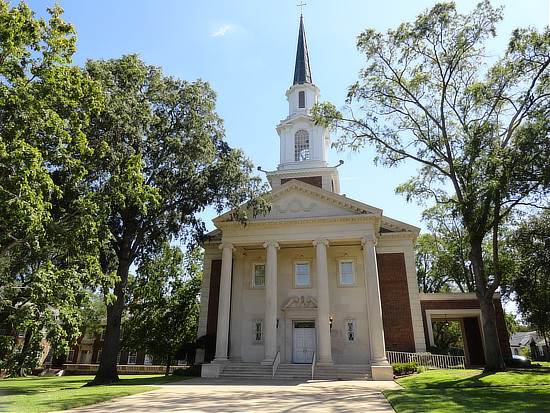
x: 313, y: 362
x: 275, y: 365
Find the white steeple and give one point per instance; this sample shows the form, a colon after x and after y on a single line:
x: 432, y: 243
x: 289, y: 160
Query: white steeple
x: 303, y: 144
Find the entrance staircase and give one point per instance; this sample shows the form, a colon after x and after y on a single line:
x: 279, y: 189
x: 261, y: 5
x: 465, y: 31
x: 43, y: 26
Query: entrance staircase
x: 298, y: 371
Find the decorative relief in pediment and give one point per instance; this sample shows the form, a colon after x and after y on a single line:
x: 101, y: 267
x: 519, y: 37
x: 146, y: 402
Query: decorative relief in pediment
x: 294, y: 206
x: 300, y: 303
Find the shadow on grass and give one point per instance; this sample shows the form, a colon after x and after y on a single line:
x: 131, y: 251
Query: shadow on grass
x: 471, y: 379
x: 465, y: 400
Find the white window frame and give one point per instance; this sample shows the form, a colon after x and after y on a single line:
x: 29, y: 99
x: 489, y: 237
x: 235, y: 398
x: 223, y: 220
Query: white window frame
x: 148, y: 361
x: 21, y: 333
x: 99, y: 354
x: 350, y: 330
x: 254, y: 265
x: 70, y: 356
x: 103, y: 331
x: 132, y: 354
x: 118, y: 358
x: 341, y: 274
x: 296, y: 283
x: 258, y: 331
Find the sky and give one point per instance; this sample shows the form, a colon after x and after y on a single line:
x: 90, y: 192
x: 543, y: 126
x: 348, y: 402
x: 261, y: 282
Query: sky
x: 246, y: 51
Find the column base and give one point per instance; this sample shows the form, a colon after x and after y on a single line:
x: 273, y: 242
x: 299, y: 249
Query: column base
x: 326, y: 362
x: 211, y: 370
x: 382, y: 373
x: 220, y: 360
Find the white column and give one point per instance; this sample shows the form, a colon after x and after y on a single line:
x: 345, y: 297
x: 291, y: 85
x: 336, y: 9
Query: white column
x: 222, y: 333
x: 324, y: 352
x: 374, y: 306
x: 270, y: 321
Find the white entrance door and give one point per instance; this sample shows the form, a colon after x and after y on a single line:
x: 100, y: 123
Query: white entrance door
x: 304, y: 341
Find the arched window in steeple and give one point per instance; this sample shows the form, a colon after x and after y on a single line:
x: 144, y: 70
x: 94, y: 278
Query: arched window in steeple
x: 301, y: 146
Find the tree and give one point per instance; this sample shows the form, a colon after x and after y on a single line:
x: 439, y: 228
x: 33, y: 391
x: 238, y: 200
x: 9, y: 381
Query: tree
x: 478, y: 133
x: 441, y: 256
x: 165, y: 161
x: 164, y: 304
x: 531, y: 282
x: 48, y: 235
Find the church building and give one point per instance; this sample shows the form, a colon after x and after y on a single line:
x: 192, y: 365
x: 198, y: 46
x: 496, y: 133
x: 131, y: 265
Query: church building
x: 322, y: 280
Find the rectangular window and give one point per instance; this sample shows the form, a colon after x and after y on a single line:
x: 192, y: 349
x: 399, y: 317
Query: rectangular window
x: 301, y: 99
x: 49, y: 357
x: 347, y: 273
x: 148, y: 360
x: 70, y: 356
x: 259, y: 275
x: 132, y: 357
x: 102, y: 335
x: 118, y: 358
x: 21, y: 334
x: 98, y: 360
x: 350, y: 331
x: 257, y: 331
x: 302, y: 274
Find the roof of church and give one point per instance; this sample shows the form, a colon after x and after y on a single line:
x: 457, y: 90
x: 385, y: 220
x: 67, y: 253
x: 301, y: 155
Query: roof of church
x: 302, y: 71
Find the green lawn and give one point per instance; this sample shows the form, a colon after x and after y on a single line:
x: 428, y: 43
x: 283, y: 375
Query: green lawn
x: 44, y: 394
x: 467, y: 391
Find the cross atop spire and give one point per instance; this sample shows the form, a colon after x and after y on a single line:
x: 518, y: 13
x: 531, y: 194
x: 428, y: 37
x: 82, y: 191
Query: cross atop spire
x: 302, y: 71
x: 301, y: 6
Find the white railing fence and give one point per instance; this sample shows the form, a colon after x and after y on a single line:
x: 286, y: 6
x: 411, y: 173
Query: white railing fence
x: 313, y: 362
x: 275, y: 364
x: 433, y: 361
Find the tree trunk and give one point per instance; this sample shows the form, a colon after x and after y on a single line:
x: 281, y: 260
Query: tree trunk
x: 107, y: 372
x: 493, y: 354
x: 168, y: 362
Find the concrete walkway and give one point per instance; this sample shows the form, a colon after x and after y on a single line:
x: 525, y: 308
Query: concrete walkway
x: 239, y: 395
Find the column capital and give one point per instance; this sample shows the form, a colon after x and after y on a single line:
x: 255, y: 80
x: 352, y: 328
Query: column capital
x: 226, y: 245
x: 322, y: 241
x: 271, y: 244
x: 372, y: 239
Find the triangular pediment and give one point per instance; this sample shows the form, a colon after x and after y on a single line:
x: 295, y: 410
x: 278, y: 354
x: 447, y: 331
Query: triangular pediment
x: 299, y: 200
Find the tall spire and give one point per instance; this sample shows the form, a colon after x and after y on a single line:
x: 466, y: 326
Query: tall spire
x: 302, y: 71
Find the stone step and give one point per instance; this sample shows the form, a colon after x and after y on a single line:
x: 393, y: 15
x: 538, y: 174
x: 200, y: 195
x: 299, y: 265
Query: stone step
x: 298, y: 371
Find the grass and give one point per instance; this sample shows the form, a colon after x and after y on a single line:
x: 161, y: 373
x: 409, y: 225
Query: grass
x: 467, y: 391
x: 44, y: 394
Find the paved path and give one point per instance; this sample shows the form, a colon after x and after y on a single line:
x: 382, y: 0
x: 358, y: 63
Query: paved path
x: 239, y: 395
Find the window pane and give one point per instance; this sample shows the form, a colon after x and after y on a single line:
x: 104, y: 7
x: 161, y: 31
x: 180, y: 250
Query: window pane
x: 301, y: 146
x: 301, y: 99
x: 347, y: 276
x: 259, y: 275
x: 302, y: 273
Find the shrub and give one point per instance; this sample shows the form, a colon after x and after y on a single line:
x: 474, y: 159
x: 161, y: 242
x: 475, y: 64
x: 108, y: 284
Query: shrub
x: 518, y: 363
x: 400, y: 369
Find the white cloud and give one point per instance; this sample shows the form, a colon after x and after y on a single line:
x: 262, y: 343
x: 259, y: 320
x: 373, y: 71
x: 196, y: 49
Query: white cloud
x: 222, y: 30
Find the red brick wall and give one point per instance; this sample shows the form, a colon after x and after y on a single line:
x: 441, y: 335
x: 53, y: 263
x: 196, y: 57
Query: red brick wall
x: 213, y: 303
x: 396, y: 307
x: 312, y: 180
x: 469, y: 304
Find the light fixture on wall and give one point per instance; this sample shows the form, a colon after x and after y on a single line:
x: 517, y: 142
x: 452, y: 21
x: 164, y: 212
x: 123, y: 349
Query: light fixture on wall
x: 446, y: 323
x: 330, y: 322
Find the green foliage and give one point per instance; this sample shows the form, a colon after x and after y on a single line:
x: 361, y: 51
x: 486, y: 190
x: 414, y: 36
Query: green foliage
x: 531, y: 281
x: 446, y: 336
x: 478, y: 133
x: 441, y: 256
x: 399, y: 369
x: 165, y: 161
x: 164, y: 303
x: 49, y: 236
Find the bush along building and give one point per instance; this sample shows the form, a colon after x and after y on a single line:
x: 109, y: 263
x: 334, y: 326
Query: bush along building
x: 322, y: 279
